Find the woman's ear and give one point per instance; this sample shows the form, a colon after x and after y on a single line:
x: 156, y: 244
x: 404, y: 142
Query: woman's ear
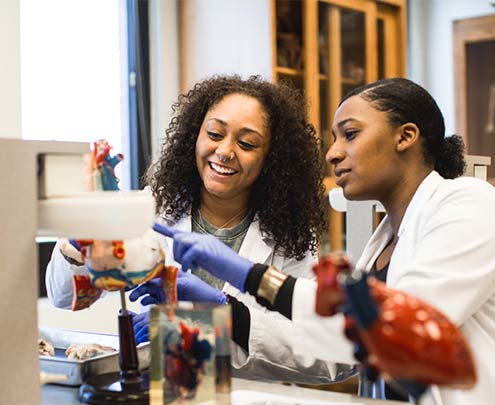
x: 408, y: 136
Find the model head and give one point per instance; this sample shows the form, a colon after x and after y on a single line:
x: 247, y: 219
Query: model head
x: 250, y: 139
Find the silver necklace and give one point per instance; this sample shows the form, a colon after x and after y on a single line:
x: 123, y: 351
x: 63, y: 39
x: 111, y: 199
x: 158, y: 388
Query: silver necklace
x: 224, y: 226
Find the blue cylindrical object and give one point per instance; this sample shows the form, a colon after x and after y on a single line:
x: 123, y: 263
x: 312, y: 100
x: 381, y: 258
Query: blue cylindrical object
x: 360, y: 305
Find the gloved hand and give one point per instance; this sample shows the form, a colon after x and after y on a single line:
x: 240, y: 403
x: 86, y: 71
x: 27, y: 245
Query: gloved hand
x: 140, y: 322
x: 195, y: 250
x: 74, y: 243
x: 152, y: 290
x: 192, y: 288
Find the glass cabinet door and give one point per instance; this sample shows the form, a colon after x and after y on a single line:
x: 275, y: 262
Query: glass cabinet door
x: 345, y: 62
x: 329, y: 47
x: 288, y: 37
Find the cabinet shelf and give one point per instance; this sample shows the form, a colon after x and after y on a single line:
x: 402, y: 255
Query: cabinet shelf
x: 352, y: 82
x: 285, y: 71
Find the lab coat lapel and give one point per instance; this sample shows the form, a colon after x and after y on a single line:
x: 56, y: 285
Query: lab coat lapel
x: 254, y: 246
x: 184, y: 224
x: 383, y: 233
x: 408, y: 227
x: 424, y: 192
x: 375, y: 245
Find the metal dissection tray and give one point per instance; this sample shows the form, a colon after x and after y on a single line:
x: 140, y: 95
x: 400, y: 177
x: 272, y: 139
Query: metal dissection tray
x: 78, y: 370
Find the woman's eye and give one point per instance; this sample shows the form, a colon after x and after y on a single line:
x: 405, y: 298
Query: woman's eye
x: 246, y: 146
x: 214, y: 135
x: 349, y: 135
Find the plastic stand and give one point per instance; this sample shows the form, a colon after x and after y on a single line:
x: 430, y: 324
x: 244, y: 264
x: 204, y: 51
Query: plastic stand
x: 128, y: 386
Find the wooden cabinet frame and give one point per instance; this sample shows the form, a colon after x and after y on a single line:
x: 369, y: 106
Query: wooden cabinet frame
x: 392, y: 16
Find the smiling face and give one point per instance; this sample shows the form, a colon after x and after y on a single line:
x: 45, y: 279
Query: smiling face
x: 232, y: 146
x: 364, y: 153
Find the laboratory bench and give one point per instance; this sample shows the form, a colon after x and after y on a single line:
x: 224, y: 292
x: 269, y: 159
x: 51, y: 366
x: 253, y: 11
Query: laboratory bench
x: 244, y: 392
x: 102, y: 318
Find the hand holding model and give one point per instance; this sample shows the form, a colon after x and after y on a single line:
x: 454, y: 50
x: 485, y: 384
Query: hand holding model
x: 396, y: 335
x: 195, y: 250
x: 189, y: 288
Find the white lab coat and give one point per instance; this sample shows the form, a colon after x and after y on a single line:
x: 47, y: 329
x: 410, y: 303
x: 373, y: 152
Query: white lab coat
x: 270, y: 354
x: 445, y: 255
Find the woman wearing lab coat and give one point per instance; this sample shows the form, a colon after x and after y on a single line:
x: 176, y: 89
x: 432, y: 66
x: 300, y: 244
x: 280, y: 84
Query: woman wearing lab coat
x: 241, y: 162
x: 437, y: 241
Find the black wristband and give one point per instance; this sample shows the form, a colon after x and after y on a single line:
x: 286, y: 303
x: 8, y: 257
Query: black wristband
x: 253, y: 278
x: 241, y: 322
x: 283, y: 302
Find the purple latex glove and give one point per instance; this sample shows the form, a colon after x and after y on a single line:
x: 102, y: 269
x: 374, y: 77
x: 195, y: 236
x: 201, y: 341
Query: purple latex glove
x: 195, y: 250
x: 152, y: 291
x: 192, y: 288
x: 140, y: 322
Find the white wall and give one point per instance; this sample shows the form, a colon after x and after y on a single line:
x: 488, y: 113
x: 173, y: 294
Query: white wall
x: 219, y: 36
x: 164, y: 66
x: 10, y: 69
x: 225, y: 36
x: 431, y: 54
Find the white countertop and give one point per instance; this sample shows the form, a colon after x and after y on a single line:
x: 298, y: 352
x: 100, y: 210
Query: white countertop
x: 102, y: 318
x: 244, y: 392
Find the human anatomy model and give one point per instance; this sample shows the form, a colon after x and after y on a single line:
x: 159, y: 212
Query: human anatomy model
x: 118, y: 264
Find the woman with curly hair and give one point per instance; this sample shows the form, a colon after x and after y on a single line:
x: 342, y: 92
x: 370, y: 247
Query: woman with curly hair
x: 221, y: 173
x: 241, y: 162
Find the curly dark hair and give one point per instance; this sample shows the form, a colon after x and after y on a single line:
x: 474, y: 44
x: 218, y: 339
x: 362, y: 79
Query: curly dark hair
x: 405, y: 101
x: 288, y: 194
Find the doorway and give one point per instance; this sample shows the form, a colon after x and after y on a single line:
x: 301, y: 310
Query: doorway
x: 474, y: 61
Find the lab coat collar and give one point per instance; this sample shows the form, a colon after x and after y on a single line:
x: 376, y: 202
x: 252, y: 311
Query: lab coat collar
x: 184, y: 224
x: 423, y: 193
x: 375, y: 245
x: 257, y: 248
x: 384, y: 232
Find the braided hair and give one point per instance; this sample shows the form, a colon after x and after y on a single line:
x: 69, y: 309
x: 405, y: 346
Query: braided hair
x: 405, y: 101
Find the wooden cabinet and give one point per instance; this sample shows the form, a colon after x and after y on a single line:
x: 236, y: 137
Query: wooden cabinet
x: 329, y: 47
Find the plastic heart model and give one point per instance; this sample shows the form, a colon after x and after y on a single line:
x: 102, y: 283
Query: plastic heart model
x: 395, y: 334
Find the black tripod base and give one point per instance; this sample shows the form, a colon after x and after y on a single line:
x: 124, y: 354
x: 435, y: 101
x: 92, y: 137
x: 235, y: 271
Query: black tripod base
x: 112, y: 389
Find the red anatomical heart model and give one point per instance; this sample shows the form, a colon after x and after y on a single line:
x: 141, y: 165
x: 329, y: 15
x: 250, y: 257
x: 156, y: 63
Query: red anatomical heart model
x: 404, y: 337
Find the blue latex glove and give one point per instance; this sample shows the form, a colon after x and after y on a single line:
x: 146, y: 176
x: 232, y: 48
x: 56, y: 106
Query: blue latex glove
x: 140, y: 322
x: 192, y: 288
x: 75, y: 244
x: 195, y: 250
x: 189, y: 288
x: 152, y: 291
